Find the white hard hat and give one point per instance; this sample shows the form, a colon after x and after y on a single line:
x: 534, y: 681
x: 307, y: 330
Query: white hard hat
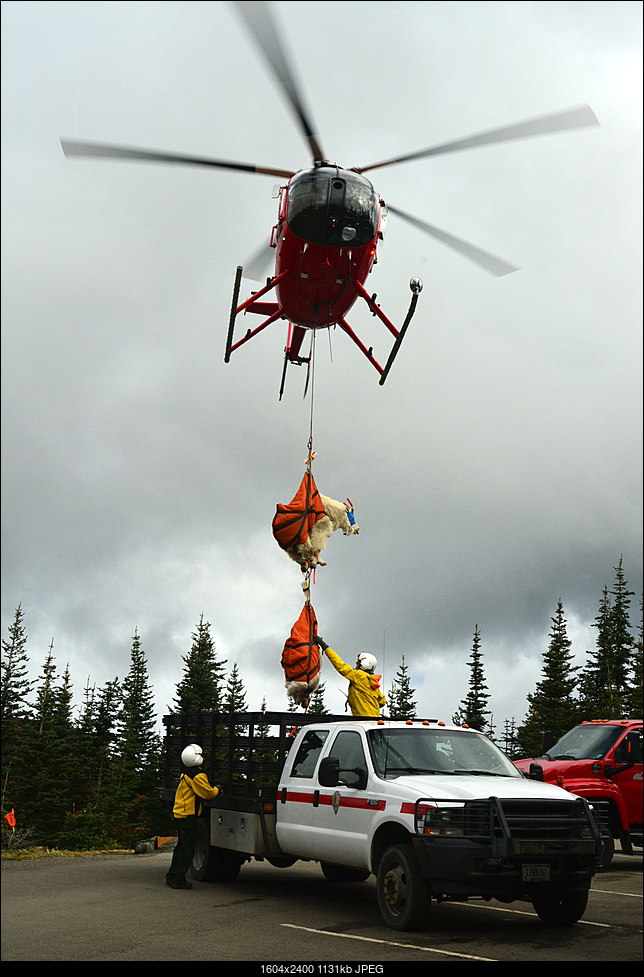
x: 192, y: 756
x: 367, y: 662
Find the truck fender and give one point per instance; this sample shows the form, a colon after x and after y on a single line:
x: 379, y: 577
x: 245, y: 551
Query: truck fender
x: 603, y: 791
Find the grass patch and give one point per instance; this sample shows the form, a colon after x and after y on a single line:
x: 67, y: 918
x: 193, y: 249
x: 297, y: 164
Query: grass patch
x: 21, y: 854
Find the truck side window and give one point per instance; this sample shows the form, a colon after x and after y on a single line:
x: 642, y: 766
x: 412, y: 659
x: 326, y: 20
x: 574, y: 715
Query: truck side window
x: 308, y: 753
x: 630, y: 749
x: 347, y: 747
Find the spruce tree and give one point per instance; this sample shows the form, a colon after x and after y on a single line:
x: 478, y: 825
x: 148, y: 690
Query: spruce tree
x: 200, y: 689
x: 50, y: 783
x: 400, y: 700
x: 235, y: 694
x: 473, y: 710
x: 138, y: 742
x: 623, y: 642
x: 552, y: 706
x: 509, y: 739
x: 316, y: 704
x: 16, y: 687
x: 264, y: 758
x: 632, y: 705
x: 139, y: 750
x: 606, y: 680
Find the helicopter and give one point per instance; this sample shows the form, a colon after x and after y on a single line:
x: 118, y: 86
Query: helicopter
x: 330, y: 219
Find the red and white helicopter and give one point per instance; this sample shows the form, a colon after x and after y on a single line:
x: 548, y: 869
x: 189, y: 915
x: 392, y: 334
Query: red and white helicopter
x: 329, y: 219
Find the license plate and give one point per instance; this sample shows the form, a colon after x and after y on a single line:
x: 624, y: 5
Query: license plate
x: 535, y: 873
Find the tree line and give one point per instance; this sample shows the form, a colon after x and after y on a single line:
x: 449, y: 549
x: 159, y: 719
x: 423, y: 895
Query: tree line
x: 88, y: 780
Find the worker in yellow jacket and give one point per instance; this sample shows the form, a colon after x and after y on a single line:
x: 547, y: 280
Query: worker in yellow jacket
x: 193, y: 788
x: 365, y: 697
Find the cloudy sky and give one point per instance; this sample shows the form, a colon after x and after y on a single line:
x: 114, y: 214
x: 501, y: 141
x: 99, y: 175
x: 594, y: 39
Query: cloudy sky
x: 497, y: 470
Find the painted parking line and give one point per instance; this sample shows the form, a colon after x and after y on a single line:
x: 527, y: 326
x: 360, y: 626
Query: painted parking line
x: 406, y: 946
x: 611, y: 892
x: 522, y: 912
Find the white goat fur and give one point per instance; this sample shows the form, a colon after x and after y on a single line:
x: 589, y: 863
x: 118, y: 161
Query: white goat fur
x: 308, y: 554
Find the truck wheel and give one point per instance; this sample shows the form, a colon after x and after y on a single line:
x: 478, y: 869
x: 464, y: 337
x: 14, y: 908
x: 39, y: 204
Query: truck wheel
x: 342, y: 873
x: 560, y: 909
x: 211, y: 864
x: 403, y: 893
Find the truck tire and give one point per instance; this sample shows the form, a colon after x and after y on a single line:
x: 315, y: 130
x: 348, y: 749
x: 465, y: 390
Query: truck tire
x: 342, y: 873
x: 211, y: 864
x: 560, y: 909
x: 403, y: 893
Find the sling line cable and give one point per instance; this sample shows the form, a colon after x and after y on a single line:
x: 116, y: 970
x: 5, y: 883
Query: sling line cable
x: 310, y: 571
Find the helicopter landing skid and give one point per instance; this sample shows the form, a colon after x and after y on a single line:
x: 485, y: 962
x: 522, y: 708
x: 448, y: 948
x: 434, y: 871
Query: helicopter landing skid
x: 271, y: 309
x: 416, y: 287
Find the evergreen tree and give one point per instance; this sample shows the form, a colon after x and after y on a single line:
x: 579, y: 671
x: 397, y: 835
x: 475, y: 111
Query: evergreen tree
x: 552, y: 706
x: 473, y: 710
x: 607, y: 677
x: 138, y: 746
x: 45, y: 694
x: 623, y: 642
x: 200, y: 689
x: 316, y: 704
x: 16, y: 685
x: 235, y: 701
x: 235, y: 694
x: 265, y: 758
x: 95, y: 821
x: 137, y: 742
x: 633, y: 698
x: 509, y: 739
x: 49, y: 781
x: 400, y: 700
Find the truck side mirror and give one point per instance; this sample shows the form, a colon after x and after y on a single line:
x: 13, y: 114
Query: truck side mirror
x: 536, y: 772
x: 546, y: 742
x: 329, y: 771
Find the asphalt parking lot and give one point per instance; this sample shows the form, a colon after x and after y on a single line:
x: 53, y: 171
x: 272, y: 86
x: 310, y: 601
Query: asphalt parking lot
x: 117, y: 907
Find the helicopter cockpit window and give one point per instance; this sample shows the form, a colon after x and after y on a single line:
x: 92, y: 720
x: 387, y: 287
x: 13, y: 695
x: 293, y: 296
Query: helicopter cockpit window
x: 333, y: 207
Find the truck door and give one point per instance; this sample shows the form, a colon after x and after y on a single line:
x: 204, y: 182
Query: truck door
x: 295, y: 827
x: 345, y: 814
x: 629, y: 781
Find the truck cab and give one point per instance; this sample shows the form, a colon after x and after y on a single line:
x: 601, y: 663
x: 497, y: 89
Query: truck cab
x: 600, y: 760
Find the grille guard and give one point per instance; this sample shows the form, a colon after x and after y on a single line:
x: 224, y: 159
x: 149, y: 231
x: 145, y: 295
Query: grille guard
x: 514, y: 826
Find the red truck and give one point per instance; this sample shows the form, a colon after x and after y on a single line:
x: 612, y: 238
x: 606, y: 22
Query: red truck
x: 600, y: 760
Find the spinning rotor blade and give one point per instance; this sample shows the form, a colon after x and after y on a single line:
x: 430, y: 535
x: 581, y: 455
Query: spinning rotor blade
x: 570, y: 119
x: 488, y: 261
x: 73, y: 148
x: 258, y: 266
x: 259, y: 21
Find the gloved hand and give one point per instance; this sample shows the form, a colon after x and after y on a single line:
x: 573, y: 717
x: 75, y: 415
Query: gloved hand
x: 320, y: 642
x: 218, y: 788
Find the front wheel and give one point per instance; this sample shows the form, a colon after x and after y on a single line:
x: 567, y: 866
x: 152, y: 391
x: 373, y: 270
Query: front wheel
x: 403, y: 893
x: 560, y: 909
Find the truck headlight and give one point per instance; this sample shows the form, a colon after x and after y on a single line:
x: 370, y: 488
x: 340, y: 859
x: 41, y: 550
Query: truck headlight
x: 444, y: 821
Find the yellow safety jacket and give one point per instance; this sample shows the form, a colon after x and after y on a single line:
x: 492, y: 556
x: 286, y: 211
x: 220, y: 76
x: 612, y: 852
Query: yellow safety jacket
x: 365, y: 697
x: 192, y: 787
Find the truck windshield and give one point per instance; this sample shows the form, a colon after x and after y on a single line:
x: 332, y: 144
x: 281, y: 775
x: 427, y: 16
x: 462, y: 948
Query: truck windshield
x: 587, y: 742
x: 399, y: 752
